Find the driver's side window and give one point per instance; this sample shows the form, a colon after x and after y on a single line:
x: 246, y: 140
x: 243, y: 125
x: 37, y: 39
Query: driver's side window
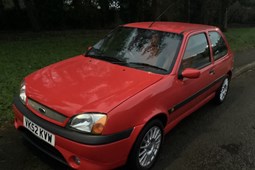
x: 197, y: 52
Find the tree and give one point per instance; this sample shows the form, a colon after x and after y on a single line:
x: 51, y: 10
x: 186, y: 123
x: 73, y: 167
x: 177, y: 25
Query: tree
x: 156, y: 4
x: 106, y: 14
x: 1, y: 12
x: 1, y: 7
x: 32, y: 15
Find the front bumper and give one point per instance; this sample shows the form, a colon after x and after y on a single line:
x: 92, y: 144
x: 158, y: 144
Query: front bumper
x: 94, y: 152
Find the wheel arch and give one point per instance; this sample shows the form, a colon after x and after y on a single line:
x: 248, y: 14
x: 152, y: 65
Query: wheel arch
x: 160, y: 116
x: 230, y: 74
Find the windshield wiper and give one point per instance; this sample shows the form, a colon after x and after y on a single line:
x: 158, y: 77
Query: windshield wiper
x: 146, y: 65
x: 113, y: 60
x: 110, y: 58
x: 97, y: 53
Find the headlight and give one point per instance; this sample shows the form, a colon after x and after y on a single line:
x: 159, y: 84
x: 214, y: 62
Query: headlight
x: 89, y: 122
x: 22, y: 93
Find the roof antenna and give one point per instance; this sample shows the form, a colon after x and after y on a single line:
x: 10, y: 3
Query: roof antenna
x: 169, y: 6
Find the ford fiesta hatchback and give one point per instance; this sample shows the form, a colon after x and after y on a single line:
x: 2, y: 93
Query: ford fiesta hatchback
x: 114, y: 104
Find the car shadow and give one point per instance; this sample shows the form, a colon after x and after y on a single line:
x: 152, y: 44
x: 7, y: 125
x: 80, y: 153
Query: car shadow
x: 50, y: 162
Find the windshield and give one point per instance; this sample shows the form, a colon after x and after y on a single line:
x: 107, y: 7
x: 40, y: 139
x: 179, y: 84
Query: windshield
x: 144, y: 49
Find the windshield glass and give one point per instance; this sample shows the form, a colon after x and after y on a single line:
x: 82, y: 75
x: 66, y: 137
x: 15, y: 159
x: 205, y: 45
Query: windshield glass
x: 139, y: 48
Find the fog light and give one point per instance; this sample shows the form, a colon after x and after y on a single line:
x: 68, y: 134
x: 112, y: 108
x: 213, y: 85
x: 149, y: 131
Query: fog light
x: 76, y: 160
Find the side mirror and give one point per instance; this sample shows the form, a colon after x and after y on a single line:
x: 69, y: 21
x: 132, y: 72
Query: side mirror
x: 191, y: 73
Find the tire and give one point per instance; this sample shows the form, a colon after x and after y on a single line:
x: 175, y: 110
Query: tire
x: 146, y: 150
x: 222, y: 92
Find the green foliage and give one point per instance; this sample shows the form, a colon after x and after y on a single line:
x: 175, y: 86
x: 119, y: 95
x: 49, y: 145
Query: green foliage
x: 76, y: 14
x: 241, y: 38
x: 22, y: 54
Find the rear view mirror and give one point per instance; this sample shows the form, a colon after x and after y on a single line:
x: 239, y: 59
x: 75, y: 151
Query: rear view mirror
x: 191, y: 73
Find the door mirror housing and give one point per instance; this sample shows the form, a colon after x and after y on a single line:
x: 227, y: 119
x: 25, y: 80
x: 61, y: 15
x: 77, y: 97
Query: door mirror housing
x: 191, y: 73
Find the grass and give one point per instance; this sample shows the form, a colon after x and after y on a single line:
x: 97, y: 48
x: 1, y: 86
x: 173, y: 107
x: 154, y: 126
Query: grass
x: 241, y: 38
x: 23, y: 53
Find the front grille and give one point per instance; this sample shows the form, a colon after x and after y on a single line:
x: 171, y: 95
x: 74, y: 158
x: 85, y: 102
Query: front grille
x: 46, y: 111
x: 43, y: 146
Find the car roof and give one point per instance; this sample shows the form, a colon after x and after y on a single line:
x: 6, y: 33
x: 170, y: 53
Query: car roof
x: 174, y: 27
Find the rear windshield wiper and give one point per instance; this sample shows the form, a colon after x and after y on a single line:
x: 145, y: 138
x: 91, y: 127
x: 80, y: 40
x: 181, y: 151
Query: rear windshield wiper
x: 146, y: 65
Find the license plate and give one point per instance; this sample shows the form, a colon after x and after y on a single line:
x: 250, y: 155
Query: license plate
x: 38, y: 131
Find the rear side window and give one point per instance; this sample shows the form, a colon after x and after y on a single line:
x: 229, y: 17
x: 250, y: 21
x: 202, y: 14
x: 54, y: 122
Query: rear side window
x: 218, y: 45
x: 197, y: 54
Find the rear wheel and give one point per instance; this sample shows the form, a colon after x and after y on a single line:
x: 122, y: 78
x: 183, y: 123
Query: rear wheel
x: 221, y: 94
x: 147, y: 146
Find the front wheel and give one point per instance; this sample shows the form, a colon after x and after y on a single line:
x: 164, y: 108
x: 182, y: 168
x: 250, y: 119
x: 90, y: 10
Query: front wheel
x: 146, y: 148
x: 222, y: 92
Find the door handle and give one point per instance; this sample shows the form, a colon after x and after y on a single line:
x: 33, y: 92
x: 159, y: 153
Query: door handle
x: 212, y: 72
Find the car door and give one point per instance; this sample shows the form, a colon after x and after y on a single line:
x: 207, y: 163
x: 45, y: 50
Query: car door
x: 221, y: 55
x: 189, y: 93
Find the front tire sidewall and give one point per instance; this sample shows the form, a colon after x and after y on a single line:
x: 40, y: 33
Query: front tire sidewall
x: 134, y: 155
x: 224, y: 86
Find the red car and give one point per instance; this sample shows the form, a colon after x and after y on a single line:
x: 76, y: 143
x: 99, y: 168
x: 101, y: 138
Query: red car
x: 114, y: 104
